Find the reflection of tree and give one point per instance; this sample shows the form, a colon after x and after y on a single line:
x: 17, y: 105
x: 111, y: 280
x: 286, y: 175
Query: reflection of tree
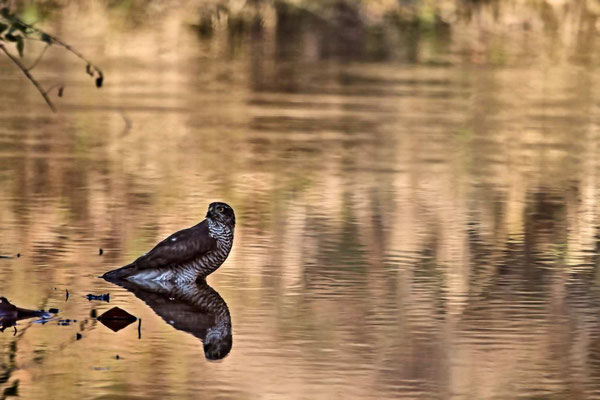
x: 430, y: 227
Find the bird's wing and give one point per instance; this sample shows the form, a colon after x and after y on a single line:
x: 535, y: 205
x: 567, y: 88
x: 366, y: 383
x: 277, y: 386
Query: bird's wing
x: 180, y: 247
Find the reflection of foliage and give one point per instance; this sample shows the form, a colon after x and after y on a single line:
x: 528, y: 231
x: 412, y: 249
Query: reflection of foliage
x: 15, y: 31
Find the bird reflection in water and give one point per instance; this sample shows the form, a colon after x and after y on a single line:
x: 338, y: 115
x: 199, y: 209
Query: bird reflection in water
x: 192, y: 307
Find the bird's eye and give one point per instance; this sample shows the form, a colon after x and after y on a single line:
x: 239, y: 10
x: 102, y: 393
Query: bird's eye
x: 220, y: 209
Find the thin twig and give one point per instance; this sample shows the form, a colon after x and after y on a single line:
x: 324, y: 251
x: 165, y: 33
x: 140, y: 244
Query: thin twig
x: 63, y: 44
x: 37, y: 60
x: 28, y: 75
x: 128, y: 124
x: 56, y: 85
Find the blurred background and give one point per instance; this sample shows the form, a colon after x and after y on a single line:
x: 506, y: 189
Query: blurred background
x: 415, y: 184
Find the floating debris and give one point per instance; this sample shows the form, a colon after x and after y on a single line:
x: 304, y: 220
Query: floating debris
x: 117, y: 357
x: 10, y: 314
x: 66, y: 294
x: 116, y: 319
x: 100, y: 252
x: 18, y: 255
x: 101, y: 297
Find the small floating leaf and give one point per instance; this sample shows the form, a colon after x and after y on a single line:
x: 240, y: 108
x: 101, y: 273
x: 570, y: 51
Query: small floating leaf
x: 101, y: 297
x: 116, y: 319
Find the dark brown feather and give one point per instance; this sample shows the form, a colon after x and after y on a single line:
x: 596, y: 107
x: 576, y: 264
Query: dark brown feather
x: 189, y: 244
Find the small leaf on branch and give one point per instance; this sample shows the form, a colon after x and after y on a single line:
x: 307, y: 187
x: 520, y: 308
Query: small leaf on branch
x: 20, y: 45
x: 46, y: 38
x: 60, y: 91
x: 99, y: 81
x: 19, y: 26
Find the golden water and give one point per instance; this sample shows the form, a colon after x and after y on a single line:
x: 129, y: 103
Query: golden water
x: 405, y: 230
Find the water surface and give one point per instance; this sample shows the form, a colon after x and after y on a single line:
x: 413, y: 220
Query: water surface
x: 405, y: 229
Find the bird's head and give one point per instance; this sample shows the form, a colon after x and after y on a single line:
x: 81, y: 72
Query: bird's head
x: 221, y: 212
x: 218, y: 342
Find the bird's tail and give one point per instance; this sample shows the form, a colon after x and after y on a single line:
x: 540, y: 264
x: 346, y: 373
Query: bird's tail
x: 119, y: 273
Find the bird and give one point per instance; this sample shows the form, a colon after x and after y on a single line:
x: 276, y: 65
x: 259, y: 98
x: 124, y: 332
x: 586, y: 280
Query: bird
x: 187, y: 255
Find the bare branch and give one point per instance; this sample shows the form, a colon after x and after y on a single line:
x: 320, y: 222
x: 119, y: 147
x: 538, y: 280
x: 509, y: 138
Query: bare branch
x: 28, y: 75
x: 37, y: 60
x: 54, y: 39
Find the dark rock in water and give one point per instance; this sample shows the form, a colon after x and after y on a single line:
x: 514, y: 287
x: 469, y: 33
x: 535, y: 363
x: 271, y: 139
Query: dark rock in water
x: 100, y: 252
x: 53, y: 311
x: 116, y: 319
x: 78, y: 336
x: 101, y: 297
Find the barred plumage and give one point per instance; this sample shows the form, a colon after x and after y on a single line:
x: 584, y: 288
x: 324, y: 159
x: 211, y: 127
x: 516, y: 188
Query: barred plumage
x: 192, y: 307
x: 187, y: 255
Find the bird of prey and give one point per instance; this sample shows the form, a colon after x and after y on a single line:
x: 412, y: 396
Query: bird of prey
x: 187, y: 255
